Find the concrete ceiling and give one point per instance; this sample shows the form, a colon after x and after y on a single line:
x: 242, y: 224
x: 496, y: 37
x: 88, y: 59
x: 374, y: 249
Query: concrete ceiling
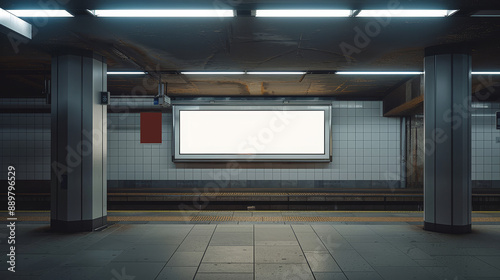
x: 165, y: 45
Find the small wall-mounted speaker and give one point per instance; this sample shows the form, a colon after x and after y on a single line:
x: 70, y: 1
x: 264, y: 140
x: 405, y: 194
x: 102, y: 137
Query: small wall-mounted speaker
x: 105, y: 95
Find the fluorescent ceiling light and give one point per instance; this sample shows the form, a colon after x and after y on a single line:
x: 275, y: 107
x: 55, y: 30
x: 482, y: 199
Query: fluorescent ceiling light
x: 496, y: 15
x: 487, y: 13
x: 303, y: 13
x: 298, y: 73
x: 243, y: 73
x: 276, y: 73
x: 482, y: 106
x: 406, y: 13
x: 483, y: 115
x: 162, y: 13
x: 213, y: 73
x: 485, y: 73
x: 403, y: 73
x: 378, y: 73
x: 127, y: 73
x: 40, y: 13
x: 11, y: 22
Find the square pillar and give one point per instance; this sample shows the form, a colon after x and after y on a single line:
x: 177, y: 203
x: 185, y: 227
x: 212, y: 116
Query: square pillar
x: 79, y: 142
x: 447, y: 117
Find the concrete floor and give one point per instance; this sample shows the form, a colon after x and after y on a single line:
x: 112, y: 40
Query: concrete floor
x: 256, y: 250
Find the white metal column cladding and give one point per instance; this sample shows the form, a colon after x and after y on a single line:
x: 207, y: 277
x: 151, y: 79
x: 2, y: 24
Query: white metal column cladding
x: 447, y: 170
x: 79, y: 133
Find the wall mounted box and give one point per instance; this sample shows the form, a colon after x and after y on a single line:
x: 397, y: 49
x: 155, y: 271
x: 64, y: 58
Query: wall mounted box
x: 105, y: 95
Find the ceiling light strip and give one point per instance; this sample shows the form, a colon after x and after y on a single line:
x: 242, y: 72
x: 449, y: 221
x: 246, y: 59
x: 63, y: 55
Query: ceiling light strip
x: 403, y: 73
x: 126, y: 73
x: 244, y: 73
x: 406, y: 13
x: 11, y: 22
x: 379, y: 73
x: 486, y: 13
x: 40, y: 13
x: 486, y: 16
x: 298, y: 73
x: 212, y: 73
x: 163, y: 13
x: 276, y: 73
x: 303, y: 13
x: 232, y: 13
x: 485, y: 73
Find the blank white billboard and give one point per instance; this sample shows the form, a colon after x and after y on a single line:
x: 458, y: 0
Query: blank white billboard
x: 229, y: 133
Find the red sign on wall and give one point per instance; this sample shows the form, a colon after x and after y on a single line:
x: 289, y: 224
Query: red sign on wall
x: 151, y: 128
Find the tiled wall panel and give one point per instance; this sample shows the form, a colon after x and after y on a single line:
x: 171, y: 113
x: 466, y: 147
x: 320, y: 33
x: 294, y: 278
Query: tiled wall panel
x: 365, y: 147
x: 485, y: 143
x: 25, y: 140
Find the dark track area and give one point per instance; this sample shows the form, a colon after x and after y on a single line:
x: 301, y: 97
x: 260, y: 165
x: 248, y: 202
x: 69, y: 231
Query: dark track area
x: 234, y: 199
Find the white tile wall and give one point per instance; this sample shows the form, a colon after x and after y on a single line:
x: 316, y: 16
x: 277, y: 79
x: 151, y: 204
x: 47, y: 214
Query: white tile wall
x: 485, y: 148
x: 25, y: 140
x: 365, y: 147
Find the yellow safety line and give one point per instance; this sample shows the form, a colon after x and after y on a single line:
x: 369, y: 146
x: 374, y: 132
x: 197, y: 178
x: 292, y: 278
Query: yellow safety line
x: 239, y: 211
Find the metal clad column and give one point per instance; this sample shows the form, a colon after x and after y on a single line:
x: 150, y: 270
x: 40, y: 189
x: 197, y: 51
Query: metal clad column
x: 79, y: 133
x: 447, y: 181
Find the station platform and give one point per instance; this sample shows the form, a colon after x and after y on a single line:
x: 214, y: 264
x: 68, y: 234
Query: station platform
x: 255, y: 245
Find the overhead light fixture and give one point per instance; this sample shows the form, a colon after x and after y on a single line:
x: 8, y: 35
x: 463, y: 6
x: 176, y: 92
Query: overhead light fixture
x: 479, y: 105
x: 483, y: 115
x: 243, y: 73
x: 11, y: 22
x: 213, y: 73
x: 379, y: 73
x: 163, y: 13
x: 276, y: 73
x: 296, y: 73
x: 40, y: 13
x: 485, y: 73
x: 126, y: 73
x: 406, y: 13
x: 303, y: 13
x: 486, y: 13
